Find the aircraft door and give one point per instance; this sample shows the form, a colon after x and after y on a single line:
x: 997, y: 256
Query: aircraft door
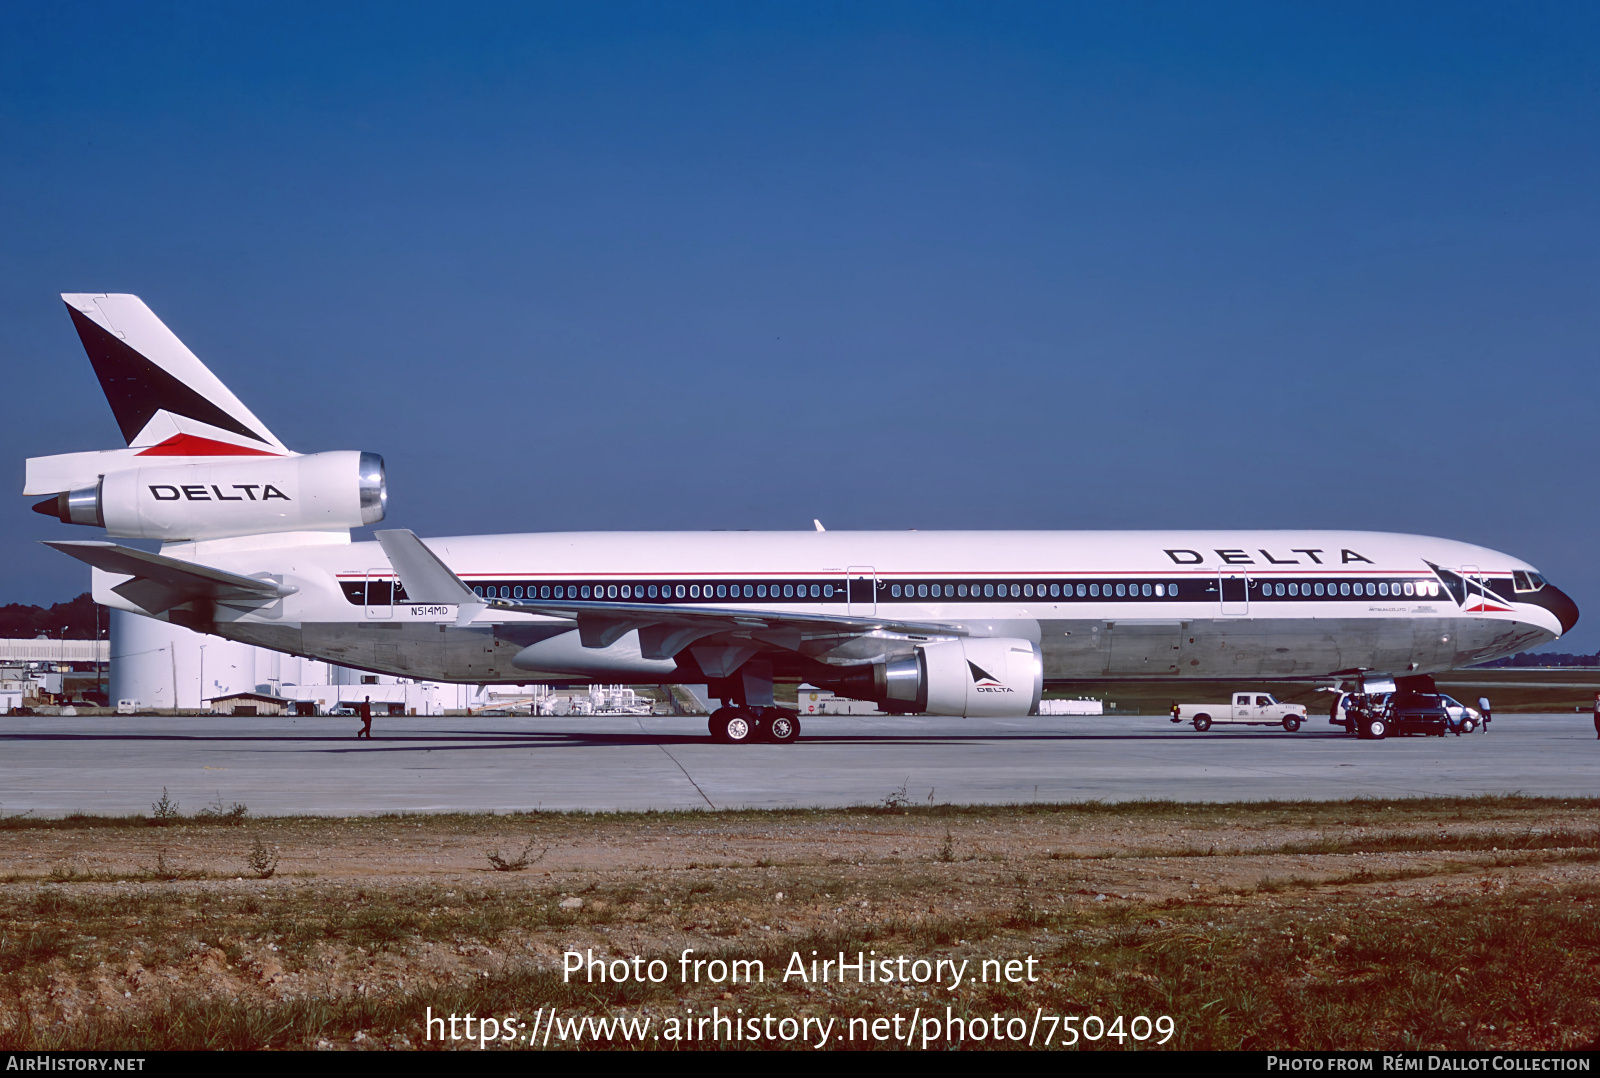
x: 1233, y: 585
x: 1473, y: 582
x: 861, y: 590
x: 380, y: 594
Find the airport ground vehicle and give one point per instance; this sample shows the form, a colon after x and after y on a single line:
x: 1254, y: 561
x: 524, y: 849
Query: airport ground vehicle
x: 257, y: 547
x: 1246, y: 709
x: 1463, y: 719
x: 1375, y: 716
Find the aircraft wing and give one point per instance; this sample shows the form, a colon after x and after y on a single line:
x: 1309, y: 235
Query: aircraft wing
x: 160, y: 583
x: 601, y: 623
x: 664, y: 629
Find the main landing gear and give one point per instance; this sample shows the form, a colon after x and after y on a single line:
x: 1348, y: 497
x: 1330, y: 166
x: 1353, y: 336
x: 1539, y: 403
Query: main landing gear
x: 745, y: 725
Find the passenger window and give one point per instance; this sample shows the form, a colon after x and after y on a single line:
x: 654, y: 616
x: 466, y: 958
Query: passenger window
x: 1094, y: 590
x: 1319, y: 589
x: 478, y: 590
x: 1121, y: 590
x: 1080, y: 591
x: 1055, y: 590
x: 1344, y: 589
x: 922, y: 591
x: 1172, y: 589
x: 1145, y: 589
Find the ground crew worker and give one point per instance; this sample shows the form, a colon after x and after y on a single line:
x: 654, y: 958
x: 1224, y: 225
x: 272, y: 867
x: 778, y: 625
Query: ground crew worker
x: 1483, y: 706
x: 364, y: 709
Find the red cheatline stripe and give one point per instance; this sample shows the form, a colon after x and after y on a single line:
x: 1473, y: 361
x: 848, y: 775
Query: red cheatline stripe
x: 192, y: 445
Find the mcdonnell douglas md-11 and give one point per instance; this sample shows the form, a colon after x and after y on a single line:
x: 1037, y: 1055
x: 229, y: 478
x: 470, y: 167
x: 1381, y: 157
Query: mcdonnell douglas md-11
x: 256, y: 546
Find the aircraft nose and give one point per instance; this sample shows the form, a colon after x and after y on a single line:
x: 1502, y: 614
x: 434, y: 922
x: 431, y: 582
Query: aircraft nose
x: 1561, y: 605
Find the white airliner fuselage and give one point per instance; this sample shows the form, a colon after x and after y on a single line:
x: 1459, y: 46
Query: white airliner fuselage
x: 1160, y: 605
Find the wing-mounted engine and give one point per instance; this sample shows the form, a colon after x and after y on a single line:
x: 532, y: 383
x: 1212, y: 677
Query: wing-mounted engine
x: 982, y: 677
x: 219, y: 499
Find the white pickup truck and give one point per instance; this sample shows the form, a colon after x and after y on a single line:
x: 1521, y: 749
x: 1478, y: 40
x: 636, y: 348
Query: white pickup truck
x: 1248, y: 708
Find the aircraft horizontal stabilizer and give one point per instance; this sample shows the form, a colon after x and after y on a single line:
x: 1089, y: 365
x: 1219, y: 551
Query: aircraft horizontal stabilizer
x: 160, y: 583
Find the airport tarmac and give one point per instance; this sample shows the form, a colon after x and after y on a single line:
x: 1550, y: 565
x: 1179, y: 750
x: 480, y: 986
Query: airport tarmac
x: 117, y: 765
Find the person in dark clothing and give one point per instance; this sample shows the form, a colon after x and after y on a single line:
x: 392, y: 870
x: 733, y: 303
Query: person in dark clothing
x: 1597, y: 714
x: 364, y: 709
x: 1483, y: 706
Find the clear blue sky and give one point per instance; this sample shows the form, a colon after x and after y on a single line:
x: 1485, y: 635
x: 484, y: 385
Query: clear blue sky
x: 923, y: 265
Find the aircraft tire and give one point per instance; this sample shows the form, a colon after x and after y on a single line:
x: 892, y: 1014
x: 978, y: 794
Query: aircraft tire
x: 741, y: 727
x: 1202, y: 723
x: 783, y: 728
x: 718, y: 724
x: 1290, y: 723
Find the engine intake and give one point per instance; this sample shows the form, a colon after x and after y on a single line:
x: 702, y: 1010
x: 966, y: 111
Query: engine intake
x: 316, y: 492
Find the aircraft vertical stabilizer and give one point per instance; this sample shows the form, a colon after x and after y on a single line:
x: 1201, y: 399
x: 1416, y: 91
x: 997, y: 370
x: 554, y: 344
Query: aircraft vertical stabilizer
x: 165, y: 400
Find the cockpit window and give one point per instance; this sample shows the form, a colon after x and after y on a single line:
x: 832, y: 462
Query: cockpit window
x: 1526, y: 581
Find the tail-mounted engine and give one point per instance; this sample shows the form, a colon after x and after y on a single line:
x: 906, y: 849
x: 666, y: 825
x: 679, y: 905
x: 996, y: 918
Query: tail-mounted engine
x: 316, y: 492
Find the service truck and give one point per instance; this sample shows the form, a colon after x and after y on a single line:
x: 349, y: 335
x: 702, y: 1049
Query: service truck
x: 1248, y: 708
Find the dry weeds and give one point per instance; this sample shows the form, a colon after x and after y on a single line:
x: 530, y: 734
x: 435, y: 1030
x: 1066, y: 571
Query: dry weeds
x: 1439, y: 923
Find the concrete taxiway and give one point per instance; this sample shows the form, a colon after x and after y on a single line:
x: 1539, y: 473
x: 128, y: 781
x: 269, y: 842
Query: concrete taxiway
x: 276, y: 766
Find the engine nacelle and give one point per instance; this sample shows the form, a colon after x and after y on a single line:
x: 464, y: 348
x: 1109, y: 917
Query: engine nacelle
x: 316, y: 492
x: 995, y: 677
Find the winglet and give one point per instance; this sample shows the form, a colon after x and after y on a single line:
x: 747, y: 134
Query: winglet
x: 426, y: 578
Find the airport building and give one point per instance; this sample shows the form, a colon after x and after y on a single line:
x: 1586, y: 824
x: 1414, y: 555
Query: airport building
x: 158, y: 666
